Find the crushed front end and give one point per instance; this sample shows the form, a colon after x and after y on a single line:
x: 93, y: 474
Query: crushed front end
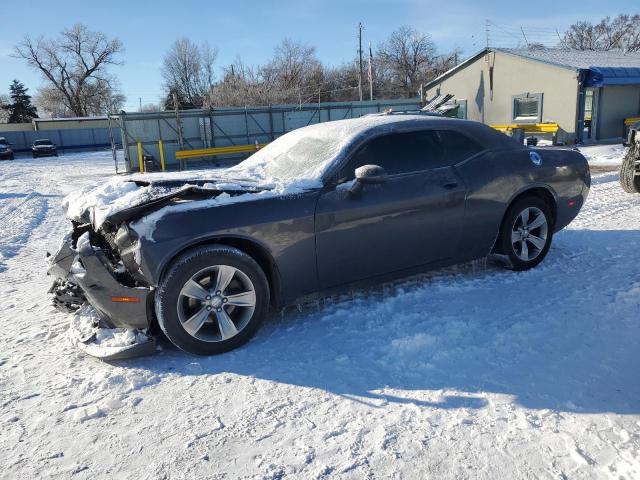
x: 112, y: 307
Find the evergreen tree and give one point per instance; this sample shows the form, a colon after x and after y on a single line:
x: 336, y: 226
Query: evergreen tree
x: 20, y: 109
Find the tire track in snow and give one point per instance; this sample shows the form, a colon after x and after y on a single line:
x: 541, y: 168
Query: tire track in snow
x: 18, y: 219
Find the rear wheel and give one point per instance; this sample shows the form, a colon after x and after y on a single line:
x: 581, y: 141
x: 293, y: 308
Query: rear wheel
x: 526, y: 233
x: 212, y: 299
x: 630, y: 182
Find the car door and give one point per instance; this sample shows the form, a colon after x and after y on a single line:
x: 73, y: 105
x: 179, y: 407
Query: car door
x: 412, y: 219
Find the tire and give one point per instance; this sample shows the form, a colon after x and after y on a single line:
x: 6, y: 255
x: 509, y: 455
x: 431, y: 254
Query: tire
x: 180, y: 300
x: 12, y: 157
x: 630, y: 182
x: 521, y: 258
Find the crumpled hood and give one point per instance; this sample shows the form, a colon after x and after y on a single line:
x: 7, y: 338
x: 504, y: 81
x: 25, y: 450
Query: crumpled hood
x: 123, y: 199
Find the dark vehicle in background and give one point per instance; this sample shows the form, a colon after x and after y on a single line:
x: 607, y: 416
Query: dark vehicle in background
x: 364, y: 201
x: 44, y: 148
x: 6, y: 153
x: 630, y: 167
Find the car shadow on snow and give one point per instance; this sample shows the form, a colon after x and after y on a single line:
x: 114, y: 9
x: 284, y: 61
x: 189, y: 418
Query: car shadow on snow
x: 564, y: 336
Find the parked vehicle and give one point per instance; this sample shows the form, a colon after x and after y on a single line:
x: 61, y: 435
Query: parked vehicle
x: 321, y: 209
x: 6, y: 153
x: 44, y: 148
x: 630, y: 168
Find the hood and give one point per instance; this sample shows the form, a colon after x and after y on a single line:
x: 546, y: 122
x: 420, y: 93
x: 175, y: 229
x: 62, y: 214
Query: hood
x: 120, y: 200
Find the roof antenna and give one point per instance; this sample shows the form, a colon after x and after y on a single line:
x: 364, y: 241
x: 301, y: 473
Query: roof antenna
x: 525, y: 37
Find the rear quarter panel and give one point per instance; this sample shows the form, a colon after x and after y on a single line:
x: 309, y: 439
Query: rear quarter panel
x: 497, y: 177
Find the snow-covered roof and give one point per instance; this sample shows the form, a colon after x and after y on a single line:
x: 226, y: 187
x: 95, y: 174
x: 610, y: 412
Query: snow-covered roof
x: 561, y: 57
x: 578, y: 59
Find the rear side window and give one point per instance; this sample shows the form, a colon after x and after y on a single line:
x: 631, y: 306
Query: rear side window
x: 458, y: 147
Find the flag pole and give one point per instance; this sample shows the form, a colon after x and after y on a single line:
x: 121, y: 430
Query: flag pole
x: 370, y: 72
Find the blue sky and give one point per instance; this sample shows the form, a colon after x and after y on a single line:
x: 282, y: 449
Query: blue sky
x: 251, y: 29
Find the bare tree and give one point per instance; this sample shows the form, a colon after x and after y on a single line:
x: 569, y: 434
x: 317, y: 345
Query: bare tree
x: 151, y: 107
x: 75, y: 65
x: 406, y: 59
x: 293, y: 74
x: 622, y: 32
x: 188, y: 69
x: 294, y: 66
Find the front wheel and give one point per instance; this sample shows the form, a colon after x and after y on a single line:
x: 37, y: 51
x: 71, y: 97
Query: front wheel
x: 526, y: 233
x: 212, y: 299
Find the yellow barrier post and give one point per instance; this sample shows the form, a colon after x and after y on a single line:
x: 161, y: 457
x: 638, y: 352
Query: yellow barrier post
x: 140, y: 159
x: 161, y: 148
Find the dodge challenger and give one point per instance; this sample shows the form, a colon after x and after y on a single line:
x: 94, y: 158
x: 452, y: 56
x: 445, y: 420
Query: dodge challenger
x: 338, y: 205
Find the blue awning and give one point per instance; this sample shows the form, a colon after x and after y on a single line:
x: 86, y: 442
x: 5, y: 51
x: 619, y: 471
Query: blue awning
x: 601, y: 76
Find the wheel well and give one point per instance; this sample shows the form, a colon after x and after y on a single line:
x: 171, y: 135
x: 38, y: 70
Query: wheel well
x: 543, y: 194
x: 539, y: 192
x: 255, y: 251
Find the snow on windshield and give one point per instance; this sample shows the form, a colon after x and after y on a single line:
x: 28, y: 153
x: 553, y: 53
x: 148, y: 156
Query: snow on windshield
x: 301, y: 154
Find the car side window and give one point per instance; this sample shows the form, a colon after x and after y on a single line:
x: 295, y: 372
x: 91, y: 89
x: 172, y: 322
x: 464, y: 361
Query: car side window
x: 399, y: 153
x: 458, y: 147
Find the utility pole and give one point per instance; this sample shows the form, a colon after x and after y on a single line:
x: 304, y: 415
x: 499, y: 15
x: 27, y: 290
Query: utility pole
x: 486, y: 27
x: 360, y: 60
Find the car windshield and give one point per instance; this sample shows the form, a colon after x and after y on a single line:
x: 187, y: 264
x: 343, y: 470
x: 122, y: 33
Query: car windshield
x: 42, y: 142
x: 299, y: 155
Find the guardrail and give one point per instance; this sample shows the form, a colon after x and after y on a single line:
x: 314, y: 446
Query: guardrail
x: 214, y: 151
x: 529, y: 127
x: 182, y: 155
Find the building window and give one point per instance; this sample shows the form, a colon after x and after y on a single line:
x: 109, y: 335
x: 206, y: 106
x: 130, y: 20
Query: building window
x: 526, y: 108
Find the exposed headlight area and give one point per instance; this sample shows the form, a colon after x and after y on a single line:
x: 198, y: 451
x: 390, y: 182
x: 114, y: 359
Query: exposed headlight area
x: 126, y: 237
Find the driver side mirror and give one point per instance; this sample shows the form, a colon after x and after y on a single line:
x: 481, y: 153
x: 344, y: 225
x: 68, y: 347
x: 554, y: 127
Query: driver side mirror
x: 368, y: 175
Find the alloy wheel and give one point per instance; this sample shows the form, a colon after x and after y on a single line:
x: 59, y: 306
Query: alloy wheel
x: 216, y: 303
x: 529, y: 234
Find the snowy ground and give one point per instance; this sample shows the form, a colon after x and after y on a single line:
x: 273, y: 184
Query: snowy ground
x: 471, y: 373
x: 603, y: 155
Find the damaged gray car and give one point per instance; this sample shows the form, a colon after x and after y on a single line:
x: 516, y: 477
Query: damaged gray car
x: 334, y: 206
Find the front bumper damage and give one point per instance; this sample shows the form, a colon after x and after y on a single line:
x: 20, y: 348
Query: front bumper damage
x: 110, y: 320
